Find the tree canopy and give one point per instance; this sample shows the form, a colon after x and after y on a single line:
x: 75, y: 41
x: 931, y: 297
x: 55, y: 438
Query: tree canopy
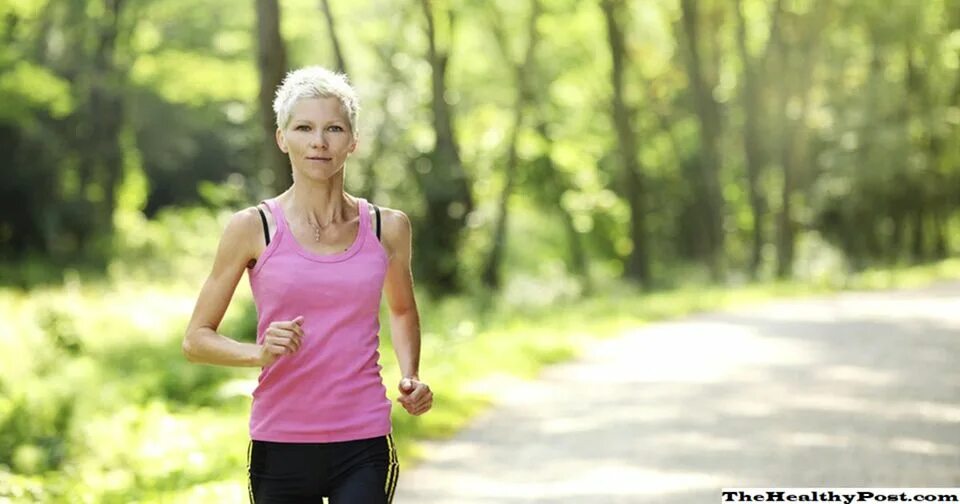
x: 634, y: 137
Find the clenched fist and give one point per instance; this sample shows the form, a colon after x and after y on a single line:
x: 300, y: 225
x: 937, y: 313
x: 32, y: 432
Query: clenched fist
x: 415, y: 396
x: 281, y: 338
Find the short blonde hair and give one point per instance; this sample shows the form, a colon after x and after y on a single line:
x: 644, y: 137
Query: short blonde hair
x: 315, y: 82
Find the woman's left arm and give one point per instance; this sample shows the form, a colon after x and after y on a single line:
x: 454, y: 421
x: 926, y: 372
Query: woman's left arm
x: 415, y: 395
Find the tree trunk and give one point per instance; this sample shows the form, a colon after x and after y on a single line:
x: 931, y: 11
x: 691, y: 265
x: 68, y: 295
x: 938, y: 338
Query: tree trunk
x: 753, y: 149
x: 272, y: 63
x: 794, y: 141
x: 924, y: 193
x: 951, y: 200
x: 897, y: 237
x: 785, y: 226
x: 918, y: 251
x: 638, y: 263
x: 105, y: 109
x: 442, y: 178
x: 492, y: 269
x: 708, y: 113
x: 578, y: 257
x: 334, y: 40
x: 941, y: 245
x: 934, y: 191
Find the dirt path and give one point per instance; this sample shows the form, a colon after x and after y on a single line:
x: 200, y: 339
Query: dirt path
x: 861, y: 389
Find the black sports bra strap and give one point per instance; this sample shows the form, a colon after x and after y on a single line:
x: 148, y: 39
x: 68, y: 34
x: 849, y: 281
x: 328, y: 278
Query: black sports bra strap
x: 376, y: 210
x: 266, y: 229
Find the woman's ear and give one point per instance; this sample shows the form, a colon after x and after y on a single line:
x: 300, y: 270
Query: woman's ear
x: 281, y: 142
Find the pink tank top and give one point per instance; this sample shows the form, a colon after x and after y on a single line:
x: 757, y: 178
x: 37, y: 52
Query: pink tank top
x: 331, y: 389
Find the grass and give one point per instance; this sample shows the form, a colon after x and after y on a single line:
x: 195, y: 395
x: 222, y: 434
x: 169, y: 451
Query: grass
x: 98, y: 405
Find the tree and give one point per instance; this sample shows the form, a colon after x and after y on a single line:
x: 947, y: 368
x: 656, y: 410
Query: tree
x: 272, y: 63
x: 106, y: 115
x: 445, y: 185
x: 522, y: 73
x: 751, y: 96
x: 707, y: 184
x: 638, y: 263
x: 334, y: 40
x: 793, y: 142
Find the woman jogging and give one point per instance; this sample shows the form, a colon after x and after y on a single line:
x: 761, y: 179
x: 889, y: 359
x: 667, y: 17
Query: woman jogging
x: 318, y: 260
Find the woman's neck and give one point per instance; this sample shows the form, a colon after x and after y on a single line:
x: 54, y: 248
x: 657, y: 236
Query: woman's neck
x: 321, y: 204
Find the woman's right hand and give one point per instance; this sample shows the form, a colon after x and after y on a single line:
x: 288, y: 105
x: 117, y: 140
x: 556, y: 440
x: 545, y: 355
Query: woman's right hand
x: 281, y: 338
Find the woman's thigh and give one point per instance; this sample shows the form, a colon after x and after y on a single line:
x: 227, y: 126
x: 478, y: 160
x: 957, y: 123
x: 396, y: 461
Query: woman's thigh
x: 285, y: 473
x: 367, y: 473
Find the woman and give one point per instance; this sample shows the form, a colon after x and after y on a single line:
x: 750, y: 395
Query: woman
x: 318, y: 260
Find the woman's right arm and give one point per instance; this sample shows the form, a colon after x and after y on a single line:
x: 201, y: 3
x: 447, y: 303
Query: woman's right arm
x: 202, y: 343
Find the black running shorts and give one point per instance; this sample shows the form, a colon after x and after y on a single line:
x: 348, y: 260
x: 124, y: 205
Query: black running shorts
x: 349, y: 472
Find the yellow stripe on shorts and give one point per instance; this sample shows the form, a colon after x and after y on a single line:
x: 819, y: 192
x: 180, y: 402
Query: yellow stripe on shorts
x: 249, y: 476
x: 393, y: 470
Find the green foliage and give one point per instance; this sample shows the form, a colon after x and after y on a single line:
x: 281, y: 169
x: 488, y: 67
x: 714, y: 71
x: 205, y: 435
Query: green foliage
x: 26, y: 88
x: 177, y: 244
x: 875, y: 153
x: 116, y: 364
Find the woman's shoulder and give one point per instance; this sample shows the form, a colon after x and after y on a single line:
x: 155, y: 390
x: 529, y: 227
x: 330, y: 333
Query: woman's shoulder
x: 244, y: 227
x: 395, y: 226
x: 393, y: 219
x: 246, y: 219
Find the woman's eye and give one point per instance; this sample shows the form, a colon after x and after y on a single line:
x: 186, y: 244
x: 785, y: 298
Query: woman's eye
x: 303, y: 127
x: 335, y: 128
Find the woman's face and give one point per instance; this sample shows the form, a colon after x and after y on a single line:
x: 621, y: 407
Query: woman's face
x: 318, y: 138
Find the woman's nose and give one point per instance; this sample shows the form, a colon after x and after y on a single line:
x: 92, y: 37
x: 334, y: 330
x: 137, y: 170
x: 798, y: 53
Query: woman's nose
x: 319, y: 140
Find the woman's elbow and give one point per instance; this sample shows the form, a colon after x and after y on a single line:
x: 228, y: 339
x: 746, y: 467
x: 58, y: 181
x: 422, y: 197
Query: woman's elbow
x: 189, y: 346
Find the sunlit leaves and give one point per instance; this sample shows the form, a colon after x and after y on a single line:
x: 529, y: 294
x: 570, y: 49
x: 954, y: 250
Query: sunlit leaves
x: 26, y: 87
x: 193, y: 78
x: 27, y: 9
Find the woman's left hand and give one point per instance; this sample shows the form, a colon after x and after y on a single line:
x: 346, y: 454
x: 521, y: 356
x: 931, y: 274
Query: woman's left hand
x: 415, y: 396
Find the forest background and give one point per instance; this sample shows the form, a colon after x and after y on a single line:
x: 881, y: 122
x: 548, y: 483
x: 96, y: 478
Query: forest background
x: 570, y: 168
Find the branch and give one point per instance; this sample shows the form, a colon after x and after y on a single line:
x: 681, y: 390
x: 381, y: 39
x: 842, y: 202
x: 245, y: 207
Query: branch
x: 338, y: 54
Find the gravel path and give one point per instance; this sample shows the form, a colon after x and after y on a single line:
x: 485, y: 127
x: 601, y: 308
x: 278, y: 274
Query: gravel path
x: 857, y: 390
